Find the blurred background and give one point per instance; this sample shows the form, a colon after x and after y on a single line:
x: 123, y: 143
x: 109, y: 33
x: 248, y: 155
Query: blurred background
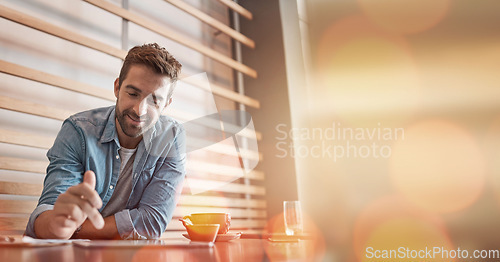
x: 424, y: 76
x: 381, y: 116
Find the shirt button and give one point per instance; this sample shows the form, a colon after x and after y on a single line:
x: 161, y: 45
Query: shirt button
x: 135, y: 175
x: 117, y: 156
x: 111, y: 187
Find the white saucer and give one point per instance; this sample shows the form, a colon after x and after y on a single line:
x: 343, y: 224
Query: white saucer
x: 222, y: 237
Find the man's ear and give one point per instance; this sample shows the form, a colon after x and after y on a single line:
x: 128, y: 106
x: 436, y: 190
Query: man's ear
x: 167, y: 104
x: 117, y: 87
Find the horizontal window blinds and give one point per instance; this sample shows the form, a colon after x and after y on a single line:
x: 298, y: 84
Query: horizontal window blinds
x: 81, y: 59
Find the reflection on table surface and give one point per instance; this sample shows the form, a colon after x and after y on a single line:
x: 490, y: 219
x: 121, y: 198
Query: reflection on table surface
x: 236, y: 250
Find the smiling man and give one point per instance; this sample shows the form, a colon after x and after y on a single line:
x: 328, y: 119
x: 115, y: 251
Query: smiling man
x: 116, y: 172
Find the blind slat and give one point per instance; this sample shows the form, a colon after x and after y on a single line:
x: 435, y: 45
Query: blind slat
x: 204, y: 184
x: 161, y: 30
x: 53, y: 80
x: 16, y: 188
x: 212, y: 123
x: 25, y: 165
x: 213, y: 22
x: 60, y: 32
x: 14, y: 206
x: 31, y: 108
x: 13, y: 223
x: 218, y: 169
x: 221, y: 201
x: 237, y: 8
x: 25, y: 139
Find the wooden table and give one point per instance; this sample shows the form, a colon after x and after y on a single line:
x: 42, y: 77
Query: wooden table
x: 235, y: 250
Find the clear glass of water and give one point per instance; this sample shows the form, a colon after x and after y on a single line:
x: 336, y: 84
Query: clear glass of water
x: 292, y: 213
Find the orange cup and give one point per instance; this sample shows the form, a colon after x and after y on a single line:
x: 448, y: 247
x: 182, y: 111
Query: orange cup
x: 203, y: 232
x: 223, y: 219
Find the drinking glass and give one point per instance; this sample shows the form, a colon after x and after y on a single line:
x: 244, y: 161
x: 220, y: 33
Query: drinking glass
x: 293, y: 217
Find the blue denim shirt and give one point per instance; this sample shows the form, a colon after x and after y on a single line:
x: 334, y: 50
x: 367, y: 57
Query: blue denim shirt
x: 89, y: 141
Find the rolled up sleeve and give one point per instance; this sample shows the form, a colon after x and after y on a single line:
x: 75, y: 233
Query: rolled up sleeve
x: 30, y: 228
x: 65, y: 170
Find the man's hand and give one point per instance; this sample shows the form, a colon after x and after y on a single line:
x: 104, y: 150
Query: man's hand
x: 71, y: 209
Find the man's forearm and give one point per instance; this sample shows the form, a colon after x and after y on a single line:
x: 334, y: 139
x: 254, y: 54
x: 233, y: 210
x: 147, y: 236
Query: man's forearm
x: 88, y: 231
x: 43, y: 228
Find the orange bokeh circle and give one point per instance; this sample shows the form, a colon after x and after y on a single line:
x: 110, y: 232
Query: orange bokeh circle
x: 405, y: 17
x: 365, y: 71
x: 390, y: 223
x: 438, y: 166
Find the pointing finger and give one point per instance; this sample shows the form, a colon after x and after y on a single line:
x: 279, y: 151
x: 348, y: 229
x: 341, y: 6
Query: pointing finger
x: 89, y: 178
x: 83, y: 191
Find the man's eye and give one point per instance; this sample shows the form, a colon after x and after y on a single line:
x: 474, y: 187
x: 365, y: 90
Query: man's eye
x: 132, y: 94
x: 152, y: 101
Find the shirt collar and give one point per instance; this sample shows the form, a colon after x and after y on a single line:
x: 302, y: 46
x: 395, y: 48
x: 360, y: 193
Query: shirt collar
x: 149, y: 135
x: 109, y: 134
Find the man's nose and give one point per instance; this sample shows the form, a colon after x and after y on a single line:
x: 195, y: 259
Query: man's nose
x: 141, y: 107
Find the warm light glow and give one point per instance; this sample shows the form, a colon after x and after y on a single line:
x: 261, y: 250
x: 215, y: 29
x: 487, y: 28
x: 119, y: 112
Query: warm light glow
x: 460, y: 74
x: 405, y: 17
x: 152, y: 254
x: 364, y: 70
x: 311, y: 250
x: 409, y: 233
x: 438, y: 166
x: 391, y: 222
x: 236, y: 251
x: 492, y: 147
x: 276, y: 224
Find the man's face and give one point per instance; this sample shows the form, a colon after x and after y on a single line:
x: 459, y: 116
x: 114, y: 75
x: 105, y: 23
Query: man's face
x: 140, y: 100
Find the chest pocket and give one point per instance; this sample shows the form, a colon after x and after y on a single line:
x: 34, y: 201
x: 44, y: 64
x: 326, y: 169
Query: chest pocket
x: 147, y: 173
x: 143, y: 180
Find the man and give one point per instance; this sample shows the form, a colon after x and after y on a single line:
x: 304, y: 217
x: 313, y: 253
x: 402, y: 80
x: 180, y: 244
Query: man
x: 115, y: 172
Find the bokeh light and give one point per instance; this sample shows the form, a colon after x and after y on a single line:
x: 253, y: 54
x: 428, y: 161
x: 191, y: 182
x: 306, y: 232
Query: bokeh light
x: 362, y: 69
x: 438, y: 166
x: 460, y: 74
x: 391, y: 222
x: 409, y: 233
x: 405, y: 17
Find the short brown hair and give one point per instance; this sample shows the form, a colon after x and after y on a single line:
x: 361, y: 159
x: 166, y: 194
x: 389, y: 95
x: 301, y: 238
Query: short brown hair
x: 154, y: 57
